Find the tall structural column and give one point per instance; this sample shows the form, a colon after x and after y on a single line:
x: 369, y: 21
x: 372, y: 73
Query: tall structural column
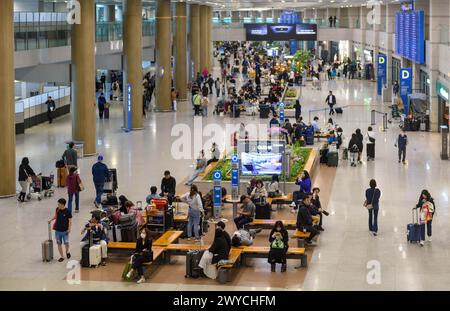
x: 204, y: 37
x: 163, y: 54
x: 194, y: 37
x: 209, y: 38
x: 180, y: 50
x: 83, y: 79
x: 7, y: 105
x: 132, y: 52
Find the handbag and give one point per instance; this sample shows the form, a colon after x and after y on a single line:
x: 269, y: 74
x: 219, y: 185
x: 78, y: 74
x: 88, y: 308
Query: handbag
x: 126, y: 269
x: 366, y: 204
x: 277, y: 244
x: 80, y: 186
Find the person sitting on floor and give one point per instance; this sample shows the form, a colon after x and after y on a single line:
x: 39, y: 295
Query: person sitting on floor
x: 246, y: 213
x: 153, y: 195
x: 279, y: 243
x: 95, y: 228
x: 142, y: 254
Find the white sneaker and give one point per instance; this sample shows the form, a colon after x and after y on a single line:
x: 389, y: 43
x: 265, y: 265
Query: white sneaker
x: 189, y: 239
x: 422, y: 243
x: 141, y: 280
x: 129, y: 274
x: 429, y: 239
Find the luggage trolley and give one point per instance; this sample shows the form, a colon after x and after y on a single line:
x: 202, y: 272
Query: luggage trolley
x: 111, y: 184
x: 41, y: 186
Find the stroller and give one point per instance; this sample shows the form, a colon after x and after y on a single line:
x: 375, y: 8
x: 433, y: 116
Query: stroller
x: 41, y: 186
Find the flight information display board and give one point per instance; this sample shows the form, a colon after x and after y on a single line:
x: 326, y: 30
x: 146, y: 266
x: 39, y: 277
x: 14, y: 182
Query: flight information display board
x: 281, y: 32
x: 410, y: 35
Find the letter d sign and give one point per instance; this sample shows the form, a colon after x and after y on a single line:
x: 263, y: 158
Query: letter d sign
x: 381, y: 60
x: 405, y: 74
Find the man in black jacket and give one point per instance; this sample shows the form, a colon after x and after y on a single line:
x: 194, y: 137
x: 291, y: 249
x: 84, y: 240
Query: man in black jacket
x: 168, y: 185
x: 304, y: 219
x: 331, y: 101
x: 51, y: 106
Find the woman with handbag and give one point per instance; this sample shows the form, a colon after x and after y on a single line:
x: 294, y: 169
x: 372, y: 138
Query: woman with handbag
x: 372, y: 202
x: 427, y: 209
x: 74, y: 187
x: 25, y: 178
x: 142, y: 254
x: 278, y: 240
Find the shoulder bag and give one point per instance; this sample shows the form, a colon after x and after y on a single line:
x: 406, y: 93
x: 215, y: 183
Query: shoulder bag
x: 366, y: 204
x: 80, y: 186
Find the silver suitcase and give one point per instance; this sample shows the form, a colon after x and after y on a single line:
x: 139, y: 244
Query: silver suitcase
x: 95, y: 255
x: 47, y: 247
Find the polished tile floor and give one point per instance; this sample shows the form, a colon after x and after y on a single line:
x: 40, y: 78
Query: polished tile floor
x: 347, y: 257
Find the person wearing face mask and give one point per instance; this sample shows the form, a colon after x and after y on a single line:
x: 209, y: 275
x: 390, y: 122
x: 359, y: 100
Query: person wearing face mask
x: 193, y: 199
x: 278, y: 240
x: 142, y: 254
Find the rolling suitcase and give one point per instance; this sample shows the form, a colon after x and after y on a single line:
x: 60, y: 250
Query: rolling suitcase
x: 106, y: 113
x: 345, y: 154
x: 95, y: 255
x: 192, y: 261
x: 129, y: 233
x: 115, y: 234
x: 310, y: 140
x: 47, y: 246
x: 85, y: 250
x: 62, y: 174
x: 332, y: 159
x: 339, y: 110
x: 413, y: 229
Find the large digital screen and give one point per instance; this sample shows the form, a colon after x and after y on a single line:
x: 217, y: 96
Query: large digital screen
x: 410, y: 35
x: 281, y: 32
x: 261, y: 164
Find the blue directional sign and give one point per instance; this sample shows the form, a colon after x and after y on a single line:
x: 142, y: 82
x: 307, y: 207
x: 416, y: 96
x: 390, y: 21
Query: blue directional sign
x: 281, y: 113
x: 234, y: 159
x: 217, y: 176
x: 381, y: 72
x: 405, y: 87
x: 128, y: 109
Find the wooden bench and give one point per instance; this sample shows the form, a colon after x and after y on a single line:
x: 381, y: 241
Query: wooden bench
x: 121, y: 245
x: 279, y: 201
x: 168, y: 238
x: 301, y: 237
x: 224, y: 270
x: 263, y: 252
x: 289, y: 224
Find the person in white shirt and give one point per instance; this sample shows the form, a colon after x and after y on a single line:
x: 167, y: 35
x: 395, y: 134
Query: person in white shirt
x: 215, y: 152
x: 193, y: 199
x: 315, y: 125
x: 370, y: 142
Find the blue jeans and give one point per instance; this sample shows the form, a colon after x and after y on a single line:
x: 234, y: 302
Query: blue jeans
x: 98, y: 192
x: 422, y: 230
x: 194, y: 176
x: 193, y: 221
x: 77, y: 201
x: 373, y: 218
x: 241, y: 221
x: 62, y: 237
x: 205, y: 111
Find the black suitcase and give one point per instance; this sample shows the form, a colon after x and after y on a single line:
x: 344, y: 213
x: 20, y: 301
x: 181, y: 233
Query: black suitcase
x: 129, y: 233
x: 332, y: 159
x: 310, y: 140
x: 339, y: 110
x: 85, y: 253
x: 263, y: 211
x: 192, y: 261
x: 106, y: 113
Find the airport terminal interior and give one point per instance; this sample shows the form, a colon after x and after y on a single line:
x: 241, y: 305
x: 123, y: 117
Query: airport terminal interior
x: 282, y: 97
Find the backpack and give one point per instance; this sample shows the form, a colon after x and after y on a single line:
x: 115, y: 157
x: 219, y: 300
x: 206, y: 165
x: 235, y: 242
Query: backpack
x: 339, y: 140
x: 354, y: 149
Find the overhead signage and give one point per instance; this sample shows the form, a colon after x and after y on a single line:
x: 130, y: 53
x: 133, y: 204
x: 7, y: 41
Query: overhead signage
x: 281, y: 32
x: 405, y: 87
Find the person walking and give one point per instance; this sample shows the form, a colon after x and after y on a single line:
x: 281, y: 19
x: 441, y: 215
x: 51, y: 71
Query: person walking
x: 360, y: 141
x: 370, y: 144
x: 101, y: 105
x: 100, y: 173
x: 334, y: 21
x: 401, y: 143
x: 217, y: 86
x: 298, y: 110
x: 174, y: 97
x: 51, y: 107
x: 205, y: 103
x: 372, y: 203
x: 197, y: 101
x: 331, y: 101
x: 26, y: 174
x: 330, y: 21
x: 74, y: 186
x: 427, y: 210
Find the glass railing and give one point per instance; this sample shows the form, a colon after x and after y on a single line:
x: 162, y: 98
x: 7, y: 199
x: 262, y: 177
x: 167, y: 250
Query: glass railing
x: 48, y: 30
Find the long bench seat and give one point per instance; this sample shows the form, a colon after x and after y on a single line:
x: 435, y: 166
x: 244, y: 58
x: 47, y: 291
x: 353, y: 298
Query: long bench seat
x: 269, y: 223
x: 263, y: 252
x: 168, y: 238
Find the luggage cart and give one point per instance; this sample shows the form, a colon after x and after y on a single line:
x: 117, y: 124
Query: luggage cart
x: 111, y: 184
x: 41, y: 186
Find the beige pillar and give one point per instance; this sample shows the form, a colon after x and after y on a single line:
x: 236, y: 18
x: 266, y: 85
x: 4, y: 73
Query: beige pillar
x: 7, y: 115
x: 180, y: 51
x: 132, y: 51
x: 194, y: 37
x: 204, y: 38
x: 209, y: 38
x: 83, y: 79
x: 163, y: 55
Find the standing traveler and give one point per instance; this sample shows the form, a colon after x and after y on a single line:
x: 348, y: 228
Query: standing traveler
x: 174, y: 97
x: 304, y: 219
x: 168, y: 187
x: 101, y: 105
x: 331, y: 101
x: 360, y: 141
x: 51, y: 106
x: 210, y: 84
x: 246, y: 213
x: 70, y: 156
x: 100, y: 174
x: 372, y: 202
x: 353, y: 149
x: 74, y: 186
x: 205, y: 90
x: 334, y: 21
x: 142, y: 254
x: 217, y: 86
x: 330, y: 20
x: 193, y: 199
x: 426, y: 214
x: 197, y: 101
x: 370, y: 144
x: 401, y: 143
x: 26, y: 174
x: 279, y: 244
x: 62, y: 227
x: 298, y: 110
x: 395, y: 88
x: 205, y: 103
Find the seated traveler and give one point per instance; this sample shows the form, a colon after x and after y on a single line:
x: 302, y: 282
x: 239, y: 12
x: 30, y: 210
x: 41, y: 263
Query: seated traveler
x: 153, y: 195
x: 304, y: 219
x: 218, y: 251
x: 95, y: 227
x: 246, y: 213
x: 142, y: 254
x: 278, y: 240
